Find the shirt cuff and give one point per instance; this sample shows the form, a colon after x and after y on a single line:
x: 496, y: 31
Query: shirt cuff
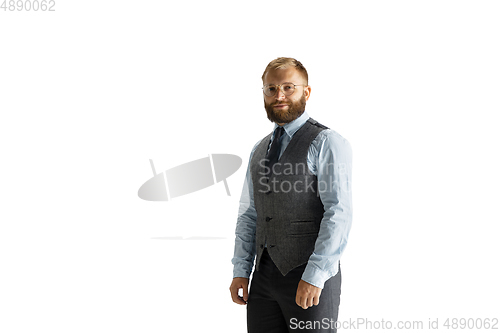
x: 316, y: 276
x: 241, y: 272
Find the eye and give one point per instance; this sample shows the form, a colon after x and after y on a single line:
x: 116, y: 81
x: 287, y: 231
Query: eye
x: 288, y: 87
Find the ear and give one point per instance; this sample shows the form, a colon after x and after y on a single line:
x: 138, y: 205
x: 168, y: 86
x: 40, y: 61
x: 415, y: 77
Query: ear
x: 307, y: 92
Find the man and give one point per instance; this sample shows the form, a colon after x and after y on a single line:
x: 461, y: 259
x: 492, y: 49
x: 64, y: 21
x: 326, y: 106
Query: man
x: 295, y: 214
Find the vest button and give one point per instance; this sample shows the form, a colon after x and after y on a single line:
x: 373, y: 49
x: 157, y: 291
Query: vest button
x: 268, y: 219
x: 261, y: 246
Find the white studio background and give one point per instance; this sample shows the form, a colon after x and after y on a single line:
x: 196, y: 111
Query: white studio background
x: 89, y: 93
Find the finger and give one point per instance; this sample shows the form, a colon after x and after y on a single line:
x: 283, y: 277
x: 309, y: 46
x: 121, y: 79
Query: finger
x: 236, y: 298
x: 310, y: 301
x: 303, y: 303
x: 316, y: 298
x: 245, y: 292
x: 239, y: 300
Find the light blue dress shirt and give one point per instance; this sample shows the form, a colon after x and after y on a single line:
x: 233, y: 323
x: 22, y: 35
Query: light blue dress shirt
x: 330, y: 159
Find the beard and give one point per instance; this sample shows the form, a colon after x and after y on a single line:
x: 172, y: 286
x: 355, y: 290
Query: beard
x: 295, y: 110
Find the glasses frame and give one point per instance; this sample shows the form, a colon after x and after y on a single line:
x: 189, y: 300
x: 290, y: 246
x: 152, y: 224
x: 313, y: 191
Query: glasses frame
x: 281, y: 88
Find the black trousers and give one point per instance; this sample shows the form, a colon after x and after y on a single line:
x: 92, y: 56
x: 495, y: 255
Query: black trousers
x: 271, y: 306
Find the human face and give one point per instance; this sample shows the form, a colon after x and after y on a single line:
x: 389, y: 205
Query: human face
x: 283, y: 109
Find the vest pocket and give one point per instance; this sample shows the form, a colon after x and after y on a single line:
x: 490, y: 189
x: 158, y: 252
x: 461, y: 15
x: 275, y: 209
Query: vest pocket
x: 300, y: 228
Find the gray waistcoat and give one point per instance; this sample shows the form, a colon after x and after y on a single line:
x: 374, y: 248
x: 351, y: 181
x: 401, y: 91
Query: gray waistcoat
x: 289, y: 210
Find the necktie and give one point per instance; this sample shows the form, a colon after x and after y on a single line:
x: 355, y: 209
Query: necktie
x: 274, y: 151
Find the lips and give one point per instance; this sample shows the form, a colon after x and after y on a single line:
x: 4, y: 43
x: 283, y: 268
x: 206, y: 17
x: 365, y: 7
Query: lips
x: 279, y: 106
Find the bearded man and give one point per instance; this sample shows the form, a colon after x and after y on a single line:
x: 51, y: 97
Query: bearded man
x: 295, y: 214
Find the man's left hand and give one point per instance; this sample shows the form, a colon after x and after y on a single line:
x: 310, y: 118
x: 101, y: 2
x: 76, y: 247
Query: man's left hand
x: 307, y: 295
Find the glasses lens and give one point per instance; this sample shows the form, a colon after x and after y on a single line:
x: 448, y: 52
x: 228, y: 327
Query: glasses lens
x: 270, y: 90
x: 288, y: 88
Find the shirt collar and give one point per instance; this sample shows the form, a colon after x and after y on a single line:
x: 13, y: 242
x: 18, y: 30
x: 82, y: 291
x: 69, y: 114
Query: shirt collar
x: 292, y: 127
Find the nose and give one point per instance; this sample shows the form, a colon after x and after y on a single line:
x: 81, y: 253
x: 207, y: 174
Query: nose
x: 280, y: 95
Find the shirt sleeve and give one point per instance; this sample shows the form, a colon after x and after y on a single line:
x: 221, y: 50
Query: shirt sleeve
x: 331, y: 159
x: 244, y: 244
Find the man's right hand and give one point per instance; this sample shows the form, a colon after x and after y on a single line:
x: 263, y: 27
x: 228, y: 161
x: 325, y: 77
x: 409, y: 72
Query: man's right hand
x: 237, y: 284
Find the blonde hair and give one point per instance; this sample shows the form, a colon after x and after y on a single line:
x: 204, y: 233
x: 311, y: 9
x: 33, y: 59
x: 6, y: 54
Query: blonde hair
x: 283, y: 63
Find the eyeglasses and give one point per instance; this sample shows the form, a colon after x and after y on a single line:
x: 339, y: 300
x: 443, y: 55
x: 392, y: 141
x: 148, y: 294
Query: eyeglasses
x: 286, y: 88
